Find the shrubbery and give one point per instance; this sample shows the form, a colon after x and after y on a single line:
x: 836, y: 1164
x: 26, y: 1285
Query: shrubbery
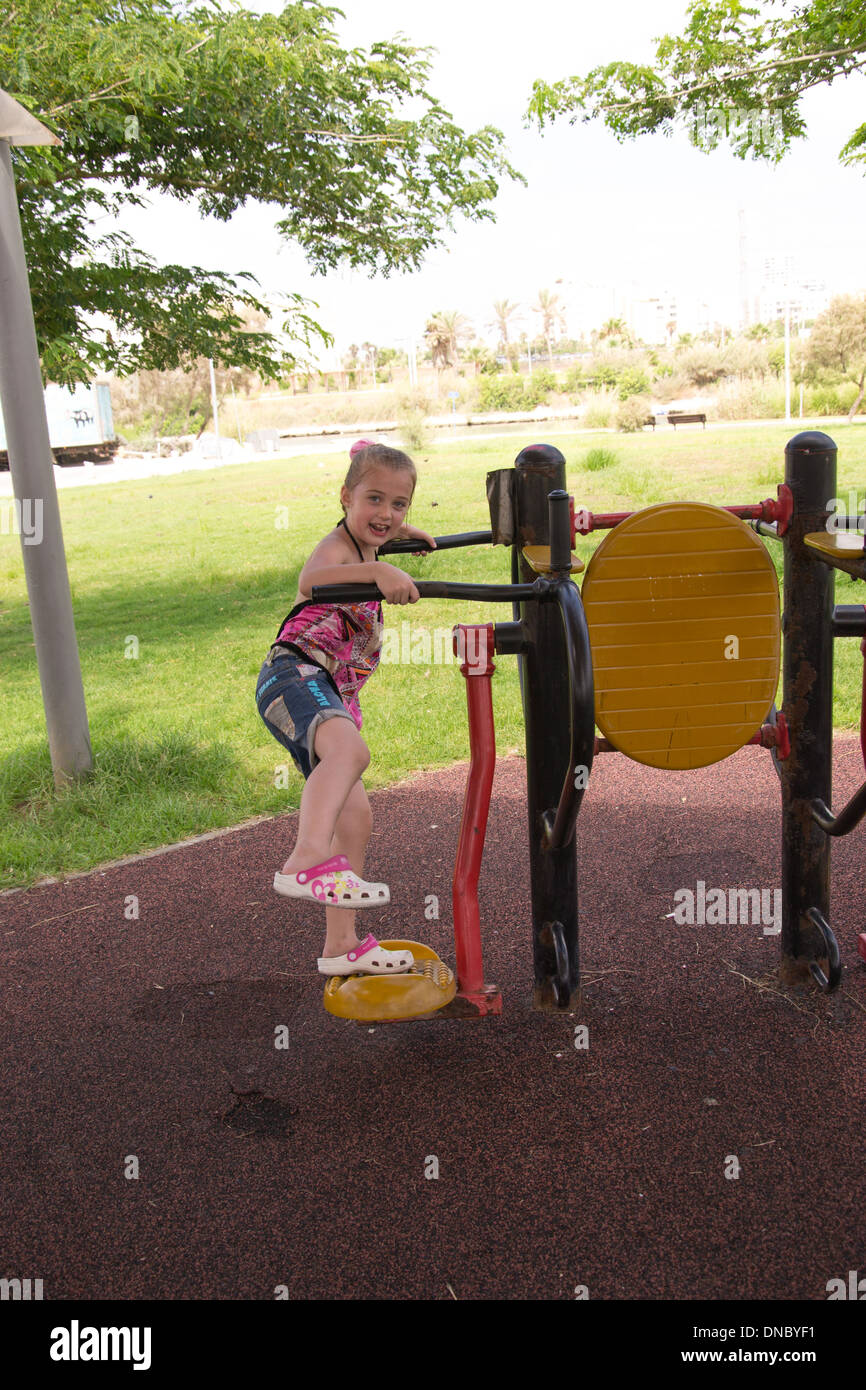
x: 544, y: 380
x: 606, y: 375
x: 146, y: 431
x: 413, y: 407
x: 512, y: 392
x: 632, y: 414
x: 632, y: 382
x: 749, y: 400
x: 829, y: 400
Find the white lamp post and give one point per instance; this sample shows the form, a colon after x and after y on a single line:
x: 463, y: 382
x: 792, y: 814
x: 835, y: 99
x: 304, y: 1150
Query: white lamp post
x: 787, y: 352
x: 215, y: 409
x: 413, y: 363
x: 32, y: 469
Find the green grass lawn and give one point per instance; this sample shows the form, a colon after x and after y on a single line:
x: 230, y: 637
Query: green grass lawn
x: 198, y: 570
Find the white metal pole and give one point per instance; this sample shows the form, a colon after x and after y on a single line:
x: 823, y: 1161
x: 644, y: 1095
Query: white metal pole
x: 35, y: 501
x: 787, y: 355
x: 237, y: 417
x: 35, y: 493
x: 213, y: 406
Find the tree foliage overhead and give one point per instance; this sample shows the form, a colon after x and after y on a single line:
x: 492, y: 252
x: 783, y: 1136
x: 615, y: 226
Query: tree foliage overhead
x: 737, y: 72
x: 215, y: 105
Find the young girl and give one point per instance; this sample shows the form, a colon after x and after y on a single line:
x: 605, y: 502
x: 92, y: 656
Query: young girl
x: 307, y: 695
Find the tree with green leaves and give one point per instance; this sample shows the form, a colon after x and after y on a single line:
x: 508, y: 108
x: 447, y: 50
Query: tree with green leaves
x: 838, y: 341
x: 216, y: 105
x: 735, y: 73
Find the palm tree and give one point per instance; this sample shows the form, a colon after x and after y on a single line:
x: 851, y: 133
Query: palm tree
x: 550, y: 312
x: 439, y: 342
x: 614, y: 330
x: 503, y: 310
x: 443, y: 333
x: 477, y: 354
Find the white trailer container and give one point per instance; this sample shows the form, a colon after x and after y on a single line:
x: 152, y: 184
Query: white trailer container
x: 80, y: 424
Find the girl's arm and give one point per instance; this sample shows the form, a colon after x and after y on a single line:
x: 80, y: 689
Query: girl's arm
x: 328, y: 565
x: 414, y: 533
x: 335, y: 574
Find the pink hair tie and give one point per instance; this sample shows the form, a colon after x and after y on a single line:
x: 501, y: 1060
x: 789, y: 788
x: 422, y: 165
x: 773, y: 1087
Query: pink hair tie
x: 358, y: 446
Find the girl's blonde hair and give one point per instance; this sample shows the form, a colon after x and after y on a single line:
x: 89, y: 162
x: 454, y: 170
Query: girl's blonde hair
x: 365, y: 455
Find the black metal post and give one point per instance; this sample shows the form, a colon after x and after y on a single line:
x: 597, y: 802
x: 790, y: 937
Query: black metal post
x: 540, y: 470
x: 560, y: 537
x: 810, y: 472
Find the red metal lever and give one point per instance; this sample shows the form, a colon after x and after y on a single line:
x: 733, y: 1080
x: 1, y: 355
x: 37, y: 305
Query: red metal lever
x: 473, y: 643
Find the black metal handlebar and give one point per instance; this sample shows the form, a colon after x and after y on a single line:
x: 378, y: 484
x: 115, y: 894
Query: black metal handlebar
x: 442, y: 543
x: 434, y: 588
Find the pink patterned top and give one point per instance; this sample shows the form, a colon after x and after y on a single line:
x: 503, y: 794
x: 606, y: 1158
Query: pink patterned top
x: 343, y: 638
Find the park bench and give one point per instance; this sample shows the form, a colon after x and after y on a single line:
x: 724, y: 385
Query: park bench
x: 679, y: 417
x: 650, y: 420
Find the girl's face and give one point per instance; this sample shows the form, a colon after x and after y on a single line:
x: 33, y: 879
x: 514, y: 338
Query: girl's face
x: 377, y: 506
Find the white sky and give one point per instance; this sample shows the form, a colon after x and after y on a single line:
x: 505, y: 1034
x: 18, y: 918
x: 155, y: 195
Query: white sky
x: 642, y: 217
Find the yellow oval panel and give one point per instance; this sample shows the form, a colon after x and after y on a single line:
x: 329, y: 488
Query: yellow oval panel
x: 682, y: 604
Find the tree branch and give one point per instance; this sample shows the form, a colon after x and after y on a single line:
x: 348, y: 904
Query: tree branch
x: 677, y: 95
x: 90, y: 97
x: 123, y: 81
x: 355, y: 139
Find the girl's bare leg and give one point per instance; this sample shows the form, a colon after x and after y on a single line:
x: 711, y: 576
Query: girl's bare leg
x: 351, y: 838
x: 344, y: 756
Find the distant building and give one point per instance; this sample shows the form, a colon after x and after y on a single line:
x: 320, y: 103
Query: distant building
x: 660, y: 319
x: 782, y: 281
x: 770, y: 284
x: 656, y: 319
x: 587, y: 306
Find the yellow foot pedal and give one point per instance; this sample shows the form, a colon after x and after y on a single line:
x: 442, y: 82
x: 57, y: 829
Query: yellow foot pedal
x: 538, y: 558
x: 429, y: 985
x: 845, y: 549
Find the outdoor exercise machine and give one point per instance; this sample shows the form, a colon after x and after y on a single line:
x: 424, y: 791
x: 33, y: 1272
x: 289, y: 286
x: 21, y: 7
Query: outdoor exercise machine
x: 673, y: 649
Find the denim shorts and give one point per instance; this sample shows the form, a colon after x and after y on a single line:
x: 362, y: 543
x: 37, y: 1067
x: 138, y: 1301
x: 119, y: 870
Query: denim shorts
x: 294, y: 696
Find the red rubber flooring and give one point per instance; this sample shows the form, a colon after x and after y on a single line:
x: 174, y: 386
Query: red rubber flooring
x: 558, y: 1167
